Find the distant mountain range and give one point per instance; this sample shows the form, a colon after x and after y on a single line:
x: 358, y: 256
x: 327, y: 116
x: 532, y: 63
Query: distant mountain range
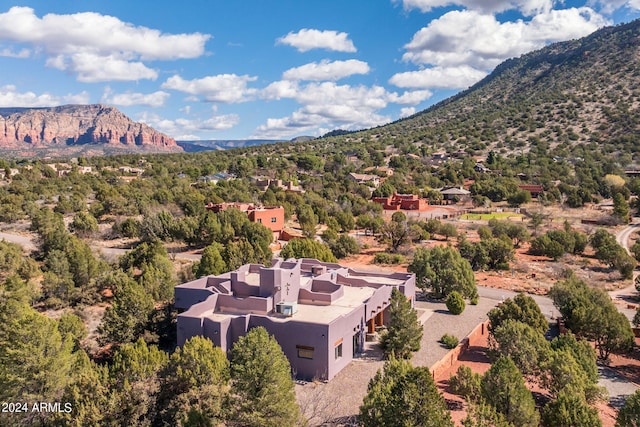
x: 227, y: 144
x: 72, y: 129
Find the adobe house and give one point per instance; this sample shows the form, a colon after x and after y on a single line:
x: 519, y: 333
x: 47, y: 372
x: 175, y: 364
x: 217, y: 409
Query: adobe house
x: 408, y: 202
x: 534, y: 189
x: 270, y: 217
x: 320, y: 313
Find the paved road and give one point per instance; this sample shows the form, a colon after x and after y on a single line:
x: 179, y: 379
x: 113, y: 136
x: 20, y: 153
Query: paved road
x: 626, y: 295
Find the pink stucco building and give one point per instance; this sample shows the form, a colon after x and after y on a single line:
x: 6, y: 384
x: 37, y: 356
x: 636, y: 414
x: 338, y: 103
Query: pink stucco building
x: 318, y: 312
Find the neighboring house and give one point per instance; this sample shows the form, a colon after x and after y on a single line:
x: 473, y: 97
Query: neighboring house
x: 320, y: 313
x: 130, y: 170
x: 363, y: 178
x: 454, y: 193
x: 217, y: 177
x: 383, y: 169
x: 534, y: 189
x: 395, y: 202
x: 264, y: 184
x: 270, y: 217
x: 480, y: 168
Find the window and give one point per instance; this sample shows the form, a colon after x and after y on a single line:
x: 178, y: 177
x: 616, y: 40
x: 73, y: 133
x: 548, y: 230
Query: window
x: 305, y: 352
x: 260, y: 220
x: 273, y: 219
x: 338, y: 351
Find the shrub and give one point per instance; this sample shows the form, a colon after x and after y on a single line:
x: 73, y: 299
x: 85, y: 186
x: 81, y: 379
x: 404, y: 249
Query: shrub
x: 386, y: 258
x: 466, y: 383
x: 449, y: 341
x: 455, y: 303
x: 474, y: 300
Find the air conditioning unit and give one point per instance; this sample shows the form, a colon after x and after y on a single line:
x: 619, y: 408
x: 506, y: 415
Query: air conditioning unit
x: 287, y: 309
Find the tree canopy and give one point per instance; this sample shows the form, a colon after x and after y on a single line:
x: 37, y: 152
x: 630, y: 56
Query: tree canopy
x: 404, y: 332
x: 443, y: 270
x: 402, y: 395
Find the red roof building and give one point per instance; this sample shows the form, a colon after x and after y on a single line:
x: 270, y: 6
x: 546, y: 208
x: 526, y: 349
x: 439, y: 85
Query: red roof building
x: 407, y: 202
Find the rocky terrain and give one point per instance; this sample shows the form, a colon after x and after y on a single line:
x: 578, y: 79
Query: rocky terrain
x: 77, y: 125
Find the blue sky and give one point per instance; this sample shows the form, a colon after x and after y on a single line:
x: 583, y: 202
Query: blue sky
x: 273, y: 69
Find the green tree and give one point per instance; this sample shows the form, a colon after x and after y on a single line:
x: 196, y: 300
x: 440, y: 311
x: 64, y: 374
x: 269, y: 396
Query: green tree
x: 395, y: 233
x: 570, y: 409
x: 404, y: 332
x: 196, y: 385
x: 150, y: 264
x: 504, y: 388
x: 36, y: 361
x: 443, y: 270
x: 70, y: 325
x: 522, y: 308
x: 211, y: 262
x: 401, y: 395
x: 135, y: 380
x: 344, y: 246
x: 620, y: 207
x: 591, y: 313
x: 562, y: 371
x: 544, y: 245
x: 88, y: 394
x: 126, y: 318
x: 466, y: 383
x: 526, y: 346
x: 482, y: 414
x: 455, y: 303
x: 307, y: 248
x: 307, y: 219
x: 629, y: 414
x: 262, y: 391
x: 448, y: 230
x: 583, y: 353
x: 84, y: 224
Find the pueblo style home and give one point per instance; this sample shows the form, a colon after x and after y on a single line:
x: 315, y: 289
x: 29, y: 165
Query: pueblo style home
x: 320, y: 313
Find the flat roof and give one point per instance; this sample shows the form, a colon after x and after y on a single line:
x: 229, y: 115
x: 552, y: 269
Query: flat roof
x: 378, y: 280
x: 353, y: 298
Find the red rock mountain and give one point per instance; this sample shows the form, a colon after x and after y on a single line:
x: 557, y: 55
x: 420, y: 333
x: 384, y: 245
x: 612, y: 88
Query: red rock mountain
x: 77, y: 125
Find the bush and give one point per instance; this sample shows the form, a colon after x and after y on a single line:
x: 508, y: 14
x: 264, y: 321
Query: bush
x: 474, y: 300
x: 465, y: 383
x: 455, y: 303
x: 386, y: 258
x: 449, y: 341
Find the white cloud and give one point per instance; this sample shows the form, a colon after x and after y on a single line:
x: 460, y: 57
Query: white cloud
x: 92, y: 68
x: 308, y: 39
x: 97, y: 47
x: 187, y: 129
x: 527, y: 7
x: 10, y: 97
x: 407, y: 111
x: 480, y: 41
x: 155, y: 99
x: 226, y: 88
x: 9, y: 53
x: 459, y: 77
x: 328, y: 105
x: 326, y: 70
x: 410, y: 97
x: 609, y: 6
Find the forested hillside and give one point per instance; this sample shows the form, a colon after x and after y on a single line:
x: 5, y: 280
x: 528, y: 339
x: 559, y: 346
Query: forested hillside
x: 579, y: 92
